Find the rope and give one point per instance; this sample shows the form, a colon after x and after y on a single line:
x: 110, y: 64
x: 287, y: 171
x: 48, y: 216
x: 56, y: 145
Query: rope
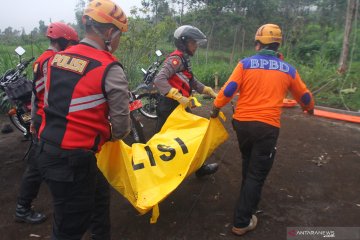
x: 322, y: 87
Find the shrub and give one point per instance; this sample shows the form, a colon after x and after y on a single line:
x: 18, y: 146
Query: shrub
x: 205, y: 73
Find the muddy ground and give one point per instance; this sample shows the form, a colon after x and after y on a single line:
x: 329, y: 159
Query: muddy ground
x: 314, y: 182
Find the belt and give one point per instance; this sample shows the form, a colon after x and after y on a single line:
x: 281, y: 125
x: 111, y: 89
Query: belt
x: 49, y: 148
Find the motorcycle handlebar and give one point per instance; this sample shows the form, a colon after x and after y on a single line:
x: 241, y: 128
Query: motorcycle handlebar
x: 149, y: 74
x: 26, y: 63
x: 15, y: 72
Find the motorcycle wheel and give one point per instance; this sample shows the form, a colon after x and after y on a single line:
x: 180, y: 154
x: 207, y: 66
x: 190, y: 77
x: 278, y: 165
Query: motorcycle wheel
x: 149, y: 102
x: 137, y: 129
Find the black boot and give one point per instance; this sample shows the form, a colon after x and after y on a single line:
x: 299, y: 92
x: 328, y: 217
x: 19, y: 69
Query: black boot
x: 207, y: 169
x: 28, y: 215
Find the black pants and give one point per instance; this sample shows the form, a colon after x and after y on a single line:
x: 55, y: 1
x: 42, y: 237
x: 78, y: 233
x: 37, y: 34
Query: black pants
x: 31, y: 180
x: 257, y: 142
x: 164, y: 108
x: 80, y: 192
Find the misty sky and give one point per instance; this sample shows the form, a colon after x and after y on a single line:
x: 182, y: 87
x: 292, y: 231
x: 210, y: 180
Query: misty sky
x: 28, y: 13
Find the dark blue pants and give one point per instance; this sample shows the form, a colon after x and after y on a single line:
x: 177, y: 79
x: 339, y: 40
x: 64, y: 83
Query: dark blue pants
x: 257, y: 142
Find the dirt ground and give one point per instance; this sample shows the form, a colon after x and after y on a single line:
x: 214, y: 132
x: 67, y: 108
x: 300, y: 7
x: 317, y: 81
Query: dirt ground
x: 314, y: 183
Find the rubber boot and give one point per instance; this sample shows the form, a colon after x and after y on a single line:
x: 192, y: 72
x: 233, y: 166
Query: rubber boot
x: 207, y: 169
x: 28, y: 215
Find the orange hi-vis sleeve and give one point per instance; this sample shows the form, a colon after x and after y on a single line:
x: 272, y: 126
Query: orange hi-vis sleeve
x: 263, y: 81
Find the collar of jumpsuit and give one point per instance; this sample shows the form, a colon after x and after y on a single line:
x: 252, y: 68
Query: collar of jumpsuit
x: 267, y: 52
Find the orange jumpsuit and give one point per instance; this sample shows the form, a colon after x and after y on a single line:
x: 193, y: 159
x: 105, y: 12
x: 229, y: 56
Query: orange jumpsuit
x: 263, y: 81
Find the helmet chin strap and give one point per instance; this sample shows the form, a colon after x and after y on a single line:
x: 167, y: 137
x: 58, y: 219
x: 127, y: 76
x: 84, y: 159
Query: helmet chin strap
x: 107, y: 42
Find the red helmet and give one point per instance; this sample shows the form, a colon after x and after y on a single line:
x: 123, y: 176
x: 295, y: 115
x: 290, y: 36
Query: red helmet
x: 61, y: 30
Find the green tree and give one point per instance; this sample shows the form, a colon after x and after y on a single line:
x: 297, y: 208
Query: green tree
x: 158, y: 8
x: 79, y: 10
x: 140, y: 42
x: 42, y: 27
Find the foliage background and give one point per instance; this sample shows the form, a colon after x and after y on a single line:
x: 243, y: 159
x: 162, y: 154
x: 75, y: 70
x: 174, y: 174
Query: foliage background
x: 313, y: 35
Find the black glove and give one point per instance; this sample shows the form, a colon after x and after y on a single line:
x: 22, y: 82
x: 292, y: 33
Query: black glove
x: 214, y: 113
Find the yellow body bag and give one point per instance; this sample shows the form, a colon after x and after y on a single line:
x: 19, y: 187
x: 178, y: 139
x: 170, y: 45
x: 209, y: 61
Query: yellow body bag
x: 146, y: 173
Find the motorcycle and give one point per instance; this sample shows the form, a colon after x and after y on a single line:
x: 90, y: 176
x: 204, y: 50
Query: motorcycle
x: 17, y: 91
x: 137, y: 131
x: 147, y: 92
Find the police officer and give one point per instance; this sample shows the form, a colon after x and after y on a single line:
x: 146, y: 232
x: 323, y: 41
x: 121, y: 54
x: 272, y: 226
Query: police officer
x: 176, y: 80
x: 61, y: 36
x: 85, y: 104
x: 262, y: 81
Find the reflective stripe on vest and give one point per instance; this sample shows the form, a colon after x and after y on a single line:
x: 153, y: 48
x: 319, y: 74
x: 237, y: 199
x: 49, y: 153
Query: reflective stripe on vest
x: 76, y: 115
x: 78, y: 104
x: 39, y: 85
x: 181, y: 80
x: 183, y: 77
x: 38, y: 82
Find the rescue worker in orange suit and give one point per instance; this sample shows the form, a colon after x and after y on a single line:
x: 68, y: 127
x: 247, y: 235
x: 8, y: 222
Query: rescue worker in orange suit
x: 86, y: 103
x: 176, y: 81
x: 61, y: 36
x: 262, y: 82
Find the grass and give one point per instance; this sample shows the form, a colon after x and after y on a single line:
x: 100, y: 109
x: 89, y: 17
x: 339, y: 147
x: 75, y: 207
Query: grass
x: 321, y: 77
